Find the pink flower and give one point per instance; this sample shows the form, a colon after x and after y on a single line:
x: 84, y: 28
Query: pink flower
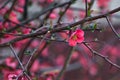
x: 60, y: 60
x: 50, y: 1
x: 11, y: 62
x: 10, y: 75
x: 35, y: 67
x: 82, y: 14
x: 103, y: 3
x: 45, y: 52
x: 21, y: 2
x: 26, y: 31
x: 13, y: 17
x: 53, y: 16
x: 75, y: 55
x: 70, y: 14
x: 76, y: 37
x: 34, y: 44
x: 19, y: 9
x: 93, y: 70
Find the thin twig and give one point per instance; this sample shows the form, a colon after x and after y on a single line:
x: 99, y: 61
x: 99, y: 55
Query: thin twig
x: 14, y: 52
x: 64, y: 12
x: 91, y: 4
x: 102, y: 56
x: 11, y: 8
x: 86, y: 8
x: 37, y: 16
x: 25, y: 14
x: 23, y: 49
x: 36, y: 49
x: 65, y: 64
x: 48, y: 70
x: 61, y: 28
x: 36, y: 55
x: 19, y: 76
x: 3, y: 6
x: 111, y: 26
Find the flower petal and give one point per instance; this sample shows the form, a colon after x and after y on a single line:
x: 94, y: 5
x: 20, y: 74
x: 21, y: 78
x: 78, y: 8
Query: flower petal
x: 80, y: 40
x: 72, y: 42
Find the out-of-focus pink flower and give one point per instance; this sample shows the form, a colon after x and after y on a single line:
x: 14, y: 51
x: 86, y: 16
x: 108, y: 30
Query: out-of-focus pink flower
x: 53, y: 16
x: 50, y: 1
x: 51, y: 75
x: 3, y: 25
x: 3, y: 11
x: 35, y: 67
x: 64, y: 35
x: 11, y: 75
x: 11, y: 62
x: 103, y: 3
x: 84, y: 62
x: 93, y: 70
x: 82, y: 14
x: 8, y: 36
x: 21, y: 3
x: 76, y: 37
x: 60, y: 60
x: 19, y: 9
x: 13, y: 17
x: 26, y: 31
x: 75, y: 55
x: 45, y: 52
x: 20, y: 44
x: 34, y: 44
x: 70, y: 14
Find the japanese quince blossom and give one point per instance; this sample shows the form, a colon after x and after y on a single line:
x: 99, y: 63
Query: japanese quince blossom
x: 53, y: 16
x: 103, y: 3
x: 76, y: 37
x: 50, y: 1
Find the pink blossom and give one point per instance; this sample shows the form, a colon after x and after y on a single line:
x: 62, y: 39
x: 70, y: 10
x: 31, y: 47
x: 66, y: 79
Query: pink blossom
x: 34, y: 44
x: 75, y: 55
x: 82, y: 14
x: 70, y: 14
x: 103, y: 3
x: 35, y: 67
x: 21, y: 2
x: 3, y: 25
x: 20, y: 44
x: 53, y: 16
x: 50, y: 1
x: 83, y: 62
x: 3, y: 11
x: 13, y: 17
x: 60, y: 60
x: 76, y: 37
x: 26, y: 31
x: 19, y: 9
x: 45, y: 52
x: 93, y: 70
x: 10, y: 75
x: 11, y: 62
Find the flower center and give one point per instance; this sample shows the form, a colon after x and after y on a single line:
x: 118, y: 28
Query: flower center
x: 74, y: 37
